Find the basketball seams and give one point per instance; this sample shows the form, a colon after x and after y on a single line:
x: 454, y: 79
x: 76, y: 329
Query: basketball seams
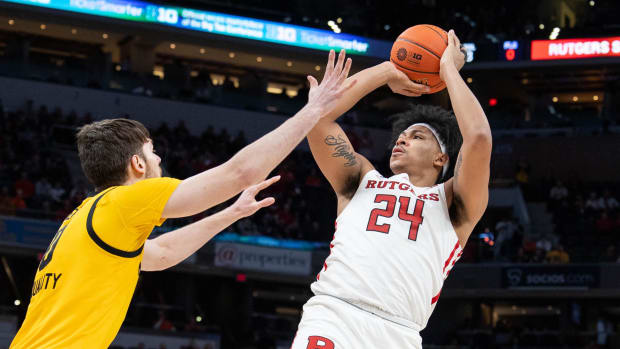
x: 413, y: 70
x: 438, y: 33
x: 415, y: 43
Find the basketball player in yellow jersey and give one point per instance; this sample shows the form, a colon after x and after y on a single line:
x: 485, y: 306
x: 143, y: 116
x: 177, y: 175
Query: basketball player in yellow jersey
x: 88, y: 274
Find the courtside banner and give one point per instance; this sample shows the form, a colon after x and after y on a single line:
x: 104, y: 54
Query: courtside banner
x: 575, y: 48
x: 551, y: 276
x: 265, y: 259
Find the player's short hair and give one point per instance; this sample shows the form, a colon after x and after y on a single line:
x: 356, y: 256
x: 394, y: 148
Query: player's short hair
x: 105, y: 148
x: 442, y: 120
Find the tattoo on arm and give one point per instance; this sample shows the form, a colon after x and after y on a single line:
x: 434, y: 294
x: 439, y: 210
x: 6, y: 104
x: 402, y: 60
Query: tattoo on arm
x: 341, y: 149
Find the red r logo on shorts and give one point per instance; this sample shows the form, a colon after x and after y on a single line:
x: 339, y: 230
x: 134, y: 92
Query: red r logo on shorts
x: 318, y: 342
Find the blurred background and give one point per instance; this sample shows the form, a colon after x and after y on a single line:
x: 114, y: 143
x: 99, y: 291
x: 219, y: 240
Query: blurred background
x: 541, y: 269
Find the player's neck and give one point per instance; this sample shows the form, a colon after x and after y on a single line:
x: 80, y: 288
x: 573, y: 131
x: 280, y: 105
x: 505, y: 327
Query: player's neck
x: 423, y: 178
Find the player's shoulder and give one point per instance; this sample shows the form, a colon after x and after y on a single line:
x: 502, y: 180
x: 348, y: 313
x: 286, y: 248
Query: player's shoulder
x: 142, y: 191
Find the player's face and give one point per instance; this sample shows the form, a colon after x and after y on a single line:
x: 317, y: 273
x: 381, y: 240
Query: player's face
x: 153, y: 170
x: 416, y: 148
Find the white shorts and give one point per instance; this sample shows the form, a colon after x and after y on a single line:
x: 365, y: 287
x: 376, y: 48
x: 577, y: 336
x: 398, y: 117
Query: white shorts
x: 331, y: 323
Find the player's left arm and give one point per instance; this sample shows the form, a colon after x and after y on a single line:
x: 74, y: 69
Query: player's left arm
x: 470, y: 184
x: 170, y: 249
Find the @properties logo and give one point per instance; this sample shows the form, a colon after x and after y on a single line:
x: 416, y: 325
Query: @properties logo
x: 227, y: 255
x: 401, y: 54
x: 514, y: 276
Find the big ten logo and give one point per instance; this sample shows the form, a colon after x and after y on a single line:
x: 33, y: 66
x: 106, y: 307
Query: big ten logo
x: 226, y: 255
x: 415, y: 58
x: 423, y: 81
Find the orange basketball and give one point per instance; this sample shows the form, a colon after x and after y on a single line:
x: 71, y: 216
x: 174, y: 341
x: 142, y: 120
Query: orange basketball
x: 417, y: 52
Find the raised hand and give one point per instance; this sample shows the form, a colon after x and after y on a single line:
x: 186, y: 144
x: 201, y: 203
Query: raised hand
x: 453, y: 56
x: 400, y: 83
x: 324, y: 96
x: 246, y: 204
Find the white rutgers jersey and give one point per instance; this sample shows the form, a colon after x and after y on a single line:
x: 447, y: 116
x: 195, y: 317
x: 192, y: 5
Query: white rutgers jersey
x: 393, y: 248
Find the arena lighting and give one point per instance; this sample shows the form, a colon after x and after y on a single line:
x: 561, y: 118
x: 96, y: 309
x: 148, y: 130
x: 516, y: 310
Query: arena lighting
x: 198, y: 318
x: 105, y: 36
x: 541, y: 26
x: 241, y: 277
x: 592, y: 3
x: 339, y: 20
x: 554, y: 99
x: 259, y: 59
x: 595, y: 97
x: 317, y: 67
x: 17, y: 302
x: 575, y: 98
x: 289, y: 64
x: 43, y: 27
x: 231, y: 54
x: 470, y: 80
x: 173, y: 46
x: 219, y: 24
x: 11, y: 21
x: 202, y: 51
x: 575, y: 48
x: 492, y: 102
x: 73, y: 31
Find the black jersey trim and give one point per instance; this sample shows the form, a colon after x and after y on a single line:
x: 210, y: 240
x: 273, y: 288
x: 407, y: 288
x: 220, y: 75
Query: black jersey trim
x: 101, y: 243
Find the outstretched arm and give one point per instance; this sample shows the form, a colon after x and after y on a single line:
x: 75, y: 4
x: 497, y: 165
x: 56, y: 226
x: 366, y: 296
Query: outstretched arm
x: 170, y: 249
x: 331, y: 148
x: 470, y: 184
x: 254, y: 162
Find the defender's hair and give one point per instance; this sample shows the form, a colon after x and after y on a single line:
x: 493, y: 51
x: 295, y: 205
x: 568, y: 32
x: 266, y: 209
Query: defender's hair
x: 105, y: 148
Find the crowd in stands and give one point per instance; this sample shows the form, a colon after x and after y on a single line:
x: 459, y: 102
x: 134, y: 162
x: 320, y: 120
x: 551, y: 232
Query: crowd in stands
x: 36, y: 182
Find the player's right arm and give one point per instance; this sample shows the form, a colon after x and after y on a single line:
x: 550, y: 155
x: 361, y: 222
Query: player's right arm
x: 253, y: 163
x: 331, y: 148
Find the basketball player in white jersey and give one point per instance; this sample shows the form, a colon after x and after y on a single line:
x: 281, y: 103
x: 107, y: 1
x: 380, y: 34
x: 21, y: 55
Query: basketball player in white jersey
x: 397, y: 237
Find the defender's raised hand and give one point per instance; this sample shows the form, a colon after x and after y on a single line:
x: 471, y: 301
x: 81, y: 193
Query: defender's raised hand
x: 323, y: 96
x: 246, y: 204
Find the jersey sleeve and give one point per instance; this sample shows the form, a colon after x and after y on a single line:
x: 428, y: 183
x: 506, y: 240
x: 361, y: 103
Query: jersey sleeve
x: 142, y: 204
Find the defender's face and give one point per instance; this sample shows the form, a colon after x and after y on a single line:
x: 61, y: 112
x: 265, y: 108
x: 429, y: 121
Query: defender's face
x: 153, y: 161
x: 415, y: 148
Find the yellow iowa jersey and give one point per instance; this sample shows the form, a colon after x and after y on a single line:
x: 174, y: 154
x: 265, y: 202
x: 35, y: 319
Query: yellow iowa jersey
x: 89, y: 272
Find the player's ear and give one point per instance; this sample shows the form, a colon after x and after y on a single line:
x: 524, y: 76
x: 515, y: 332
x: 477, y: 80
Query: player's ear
x: 441, y: 159
x: 137, y: 165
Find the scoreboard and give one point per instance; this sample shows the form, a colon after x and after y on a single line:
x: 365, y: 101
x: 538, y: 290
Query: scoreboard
x: 220, y: 24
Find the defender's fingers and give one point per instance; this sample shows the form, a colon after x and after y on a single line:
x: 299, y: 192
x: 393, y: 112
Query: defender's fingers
x: 345, y: 72
x: 312, y: 81
x: 340, y: 63
x: 330, y: 64
x: 265, y: 202
x: 264, y: 184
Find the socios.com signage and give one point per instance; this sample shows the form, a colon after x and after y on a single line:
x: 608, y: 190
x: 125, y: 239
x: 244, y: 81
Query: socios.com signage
x: 575, y: 48
x: 551, y: 276
x: 219, y: 23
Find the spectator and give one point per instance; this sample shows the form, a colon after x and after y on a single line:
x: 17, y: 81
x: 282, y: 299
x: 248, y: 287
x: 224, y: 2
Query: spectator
x: 557, y: 256
x: 505, y: 232
x: 593, y: 203
x: 544, y: 244
x: 6, y: 202
x: 18, y: 200
x: 608, y: 201
x: 163, y: 324
x: 559, y: 192
x: 57, y: 192
x: 25, y: 185
x: 43, y: 188
x: 604, y: 224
